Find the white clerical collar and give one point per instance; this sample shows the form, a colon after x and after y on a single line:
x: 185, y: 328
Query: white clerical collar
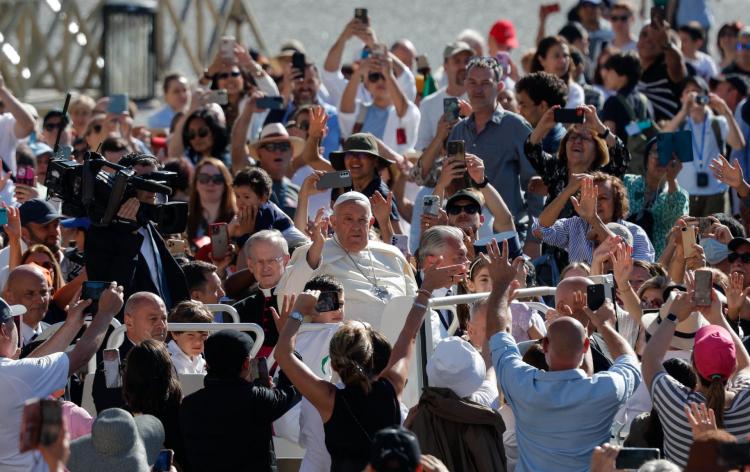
x: 267, y: 292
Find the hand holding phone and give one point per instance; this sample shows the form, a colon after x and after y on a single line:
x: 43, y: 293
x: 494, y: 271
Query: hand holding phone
x: 451, y: 109
x: 335, y: 179
x: 92, y: 290
x: 456, y: 150
x: 219, y: 240
x: 569, y: 115
x: 431, y: 205
x: 595, y: 297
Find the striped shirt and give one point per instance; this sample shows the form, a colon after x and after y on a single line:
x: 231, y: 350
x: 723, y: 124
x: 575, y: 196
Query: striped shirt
x: 570, y: 234
x: 670, y: 397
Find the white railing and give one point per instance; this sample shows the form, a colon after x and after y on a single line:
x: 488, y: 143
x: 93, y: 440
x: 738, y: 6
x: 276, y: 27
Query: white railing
x: 445, y: 302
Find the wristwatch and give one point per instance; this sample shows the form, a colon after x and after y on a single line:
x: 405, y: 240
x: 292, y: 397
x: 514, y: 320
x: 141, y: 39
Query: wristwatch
x: 297, y: 316
x: 483, y: 183
x: 672, y: 317
x: 605, y: 134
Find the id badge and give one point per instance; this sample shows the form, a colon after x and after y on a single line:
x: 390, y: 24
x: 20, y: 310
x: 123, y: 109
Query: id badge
x: 701, y: 179
x: 632, y: 128
x: 400, y: 136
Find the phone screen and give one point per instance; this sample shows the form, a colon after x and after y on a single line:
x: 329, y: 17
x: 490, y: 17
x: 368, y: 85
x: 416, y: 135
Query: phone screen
x: 118, y: 103
x: 163, y: 461
x: 327, y: 301
x: 451, y: 109
x: 431, y: 205
x: 456, y: 149
x: 270, y: 103
x: 595, y: 296
x: 92, y: 290
x: 219, y: 240
x: 703, y: 287
x: 298, y: 62
x: 3, y: 216
x: 361, y: 15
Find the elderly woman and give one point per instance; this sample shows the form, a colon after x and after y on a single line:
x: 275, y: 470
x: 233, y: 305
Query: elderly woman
x: 585, y: 148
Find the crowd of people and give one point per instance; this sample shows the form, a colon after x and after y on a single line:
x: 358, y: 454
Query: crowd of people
x: 607, y: 167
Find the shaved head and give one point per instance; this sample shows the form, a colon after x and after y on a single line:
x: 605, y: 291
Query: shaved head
x: 27, y: 285
x: 145, y: 317
x: 566, y: 337
x: 564, y: 296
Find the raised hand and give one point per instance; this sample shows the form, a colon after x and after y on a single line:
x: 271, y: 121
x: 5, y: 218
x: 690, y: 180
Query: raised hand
x: 13, y: 228
x: 320, y: 227
x: 381, y: 207
x: 77, y: 307
x: 730, y: 174
x: 318, y: 123
x: 622, y: 263
x: 443, y: 277
x: 286, y: 309
x: 702, y: 419
x: 502, y: 272
x: 475, y: 168
x: 586, y: 207
x: 604, y: 314
x: 111, y: 300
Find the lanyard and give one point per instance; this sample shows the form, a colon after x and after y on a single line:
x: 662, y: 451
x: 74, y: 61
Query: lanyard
x: 701, y: 163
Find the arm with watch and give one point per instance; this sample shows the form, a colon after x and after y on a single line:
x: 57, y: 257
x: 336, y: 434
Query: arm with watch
x: 619, y: 157
x: 492, y: 199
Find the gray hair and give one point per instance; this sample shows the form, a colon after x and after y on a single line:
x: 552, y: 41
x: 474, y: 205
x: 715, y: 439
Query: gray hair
x: 476, y: 306
x: 435, y: 239
x: 621, y: 231
x: 485, y: 62
x: 659, y: 465
x: 272, y: 236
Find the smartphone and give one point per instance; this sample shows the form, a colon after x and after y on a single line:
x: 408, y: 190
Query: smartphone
x: 365, y: 53
x: 92, y: 290
x: 422, y: 62
x: 451, y: 109
x: 688, y: 240
x: 226, y: 48
x: 658, y: 14
x: 732, y: 455
x: 41, y: 424
x: 336, y: 179
x: 456, y: 149
x: 551, y: 7
x: 327, y: 301
x: 3, y: 216
x: 401, y: 241
x: 217, y: 96
x: 704, y: 223
x: 431, y: 205
x: 701, y: 99
x: 177, y: 247
x: 111, y: 363
x: 163, y: 461
x: 298, y: 62
x: 118, y: 103
x: 595, y: 296
x: 569, y: 115
x: 25, y: 176
x: 361, y: 15
x: 270, y: 103
x: 635, y: 457
x: 703, y: 287
x: 219, y: 240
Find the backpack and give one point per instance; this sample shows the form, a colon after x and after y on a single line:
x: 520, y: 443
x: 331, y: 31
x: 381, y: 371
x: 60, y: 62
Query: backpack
x: 637, y: 143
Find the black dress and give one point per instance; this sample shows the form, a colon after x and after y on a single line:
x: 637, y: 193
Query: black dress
x: 356, y: 417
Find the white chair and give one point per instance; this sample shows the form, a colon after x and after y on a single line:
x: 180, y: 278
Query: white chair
x: 222, y: 308
x: 190, y: 383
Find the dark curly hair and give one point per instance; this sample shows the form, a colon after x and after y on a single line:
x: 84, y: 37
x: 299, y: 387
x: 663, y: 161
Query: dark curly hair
x: 619, y: 194
x: 218, y: 131
x: 543, y: 86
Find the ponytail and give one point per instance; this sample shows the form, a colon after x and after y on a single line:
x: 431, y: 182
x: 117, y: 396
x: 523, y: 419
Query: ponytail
x: 715, y: 397
x: 351, y: 350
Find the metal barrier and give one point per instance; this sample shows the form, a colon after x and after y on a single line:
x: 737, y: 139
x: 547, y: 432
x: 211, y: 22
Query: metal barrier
x: 445, y: 302
x: 222, y: 308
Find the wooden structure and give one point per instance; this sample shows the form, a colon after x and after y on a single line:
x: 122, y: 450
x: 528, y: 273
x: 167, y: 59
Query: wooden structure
x: 55, y: 45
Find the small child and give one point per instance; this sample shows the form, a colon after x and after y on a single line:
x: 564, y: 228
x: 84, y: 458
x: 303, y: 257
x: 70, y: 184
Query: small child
x: 186, y: 347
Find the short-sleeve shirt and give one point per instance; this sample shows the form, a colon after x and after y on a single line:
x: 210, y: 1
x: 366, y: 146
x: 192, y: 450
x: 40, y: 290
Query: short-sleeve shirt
x: 21, y: 380
x: 663, y: 94
x: 670, y: 397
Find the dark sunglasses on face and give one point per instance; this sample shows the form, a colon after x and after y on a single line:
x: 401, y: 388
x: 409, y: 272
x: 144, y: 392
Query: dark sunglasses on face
x: 614, y: 18
x: 281, y: 147
x: 96, y: 128
x: 471, y: 209
x: 226, y: 75
x: 202, y: 133
x: 375, y: 77
x: 52, y: 126
x: 217, y: 179
x: 733, y: 256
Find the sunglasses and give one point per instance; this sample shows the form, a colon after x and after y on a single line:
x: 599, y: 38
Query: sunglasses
x: 375, y: 77
x: 614, y: 18
x: 471, y: 209
x: 733, y: 256
x: 281, y: 147
x: 217, y: 179
x: 52, y: 126
x: 202, y: 133
x: 226, y: 75
x: 580, y: 137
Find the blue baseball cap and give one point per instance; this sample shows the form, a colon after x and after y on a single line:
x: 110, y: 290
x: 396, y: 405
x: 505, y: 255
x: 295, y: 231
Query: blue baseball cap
x: 82, y: 223
x: 39, y: 148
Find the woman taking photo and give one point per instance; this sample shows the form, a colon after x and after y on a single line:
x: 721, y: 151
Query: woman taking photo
x: 211, y: 198
x: 553, y: 56
x: 368, y: 403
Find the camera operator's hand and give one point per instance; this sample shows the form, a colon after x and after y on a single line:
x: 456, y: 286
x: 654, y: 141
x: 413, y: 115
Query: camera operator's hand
x: 129, y: 209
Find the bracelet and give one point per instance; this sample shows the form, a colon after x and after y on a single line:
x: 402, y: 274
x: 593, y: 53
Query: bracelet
x: 424, y: 292
x: 419, y: 305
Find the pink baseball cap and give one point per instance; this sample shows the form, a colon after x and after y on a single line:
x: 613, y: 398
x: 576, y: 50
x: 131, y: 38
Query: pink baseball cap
x: 714, y: 352
x: 504, y: 33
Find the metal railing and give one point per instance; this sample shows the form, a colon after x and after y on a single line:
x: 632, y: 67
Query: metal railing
x: 445, y: 302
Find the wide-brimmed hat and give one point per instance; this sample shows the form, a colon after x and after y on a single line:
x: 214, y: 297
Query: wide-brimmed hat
x: 118, y: 442
x: 276, y: 133
x: 684, y: 335
x: 363, y: 143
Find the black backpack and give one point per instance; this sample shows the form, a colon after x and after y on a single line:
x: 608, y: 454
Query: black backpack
x: 637, y: 142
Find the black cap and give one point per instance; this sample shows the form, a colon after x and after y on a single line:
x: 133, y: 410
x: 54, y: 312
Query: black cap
x: 225, y: 352
x: 735, y: 243
x: 465, y: 194
x: 395, y: 449
x: 38, y: 211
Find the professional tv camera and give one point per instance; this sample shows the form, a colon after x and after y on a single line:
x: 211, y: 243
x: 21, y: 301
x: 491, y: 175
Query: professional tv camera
x: 89, y: 190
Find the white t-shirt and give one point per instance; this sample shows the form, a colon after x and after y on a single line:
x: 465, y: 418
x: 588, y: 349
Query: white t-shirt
x: 8, y: 140
x: 409, y: 122
x: 22, y: 380
x: 335, y: 83
x: 704, y: 65
x: 183, y: 364
x: 431, y: 109
x: 705, y: 149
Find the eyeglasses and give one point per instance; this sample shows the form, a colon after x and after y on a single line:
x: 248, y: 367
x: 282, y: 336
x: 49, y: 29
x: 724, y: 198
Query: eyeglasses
x: 202, y: 133
x: 226, y: 75
x: 280, y: 147
x: 53, y: 126
x: 375, y: 77
x: 471, y: 209
x: 614, y: 18
x: 217, y: 179
x: 265, y: 262
x: 733, y: 256
x: 585, y: 137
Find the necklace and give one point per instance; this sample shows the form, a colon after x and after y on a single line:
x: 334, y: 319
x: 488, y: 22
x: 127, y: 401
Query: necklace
x: 380, y: 292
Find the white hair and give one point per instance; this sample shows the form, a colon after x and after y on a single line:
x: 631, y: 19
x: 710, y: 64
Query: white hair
x: 272, y: 236
x: 435, y: 239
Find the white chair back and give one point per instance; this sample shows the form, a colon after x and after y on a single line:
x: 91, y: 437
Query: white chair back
x: 227, y: 309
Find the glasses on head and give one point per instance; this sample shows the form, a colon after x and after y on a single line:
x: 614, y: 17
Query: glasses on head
x: 226, y: 75
x: 375, y: 77
x: 265, y: 262
x: 281, y: 147
x: 733, y: 256
x: 614, y: 18
x: 217, y: 179
x: 201, y: 133
x: 471, y: 209
x: 52, y: 126
x: 585, y: 137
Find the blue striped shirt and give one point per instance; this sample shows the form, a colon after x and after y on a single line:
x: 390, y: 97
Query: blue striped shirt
x: 570, y: 234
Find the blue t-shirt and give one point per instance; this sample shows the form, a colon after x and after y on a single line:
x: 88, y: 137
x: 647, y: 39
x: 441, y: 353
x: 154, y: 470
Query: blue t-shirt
x: 375, y: 120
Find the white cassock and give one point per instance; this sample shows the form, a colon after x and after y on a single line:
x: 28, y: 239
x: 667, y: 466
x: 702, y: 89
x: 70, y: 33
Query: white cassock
x: 358, y: 272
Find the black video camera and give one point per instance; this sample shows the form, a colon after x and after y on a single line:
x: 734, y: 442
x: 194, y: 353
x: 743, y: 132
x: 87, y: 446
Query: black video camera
x: 88, y: 190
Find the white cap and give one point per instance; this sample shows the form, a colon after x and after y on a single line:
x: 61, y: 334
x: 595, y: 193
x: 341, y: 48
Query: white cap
x: 456, y: 365
x: 352, y: 197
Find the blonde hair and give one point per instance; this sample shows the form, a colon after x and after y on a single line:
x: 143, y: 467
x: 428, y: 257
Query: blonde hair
x: 351, y: 350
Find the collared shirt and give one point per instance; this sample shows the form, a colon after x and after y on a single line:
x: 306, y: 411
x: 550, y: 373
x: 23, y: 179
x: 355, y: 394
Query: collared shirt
x: 148, y: 251
x: 570, y: 234
x: 27, y: 332
x: 183, y: 363
x: 500, y: 146
x: 561, y: 416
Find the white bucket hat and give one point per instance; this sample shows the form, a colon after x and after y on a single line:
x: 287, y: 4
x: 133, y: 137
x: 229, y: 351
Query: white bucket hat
x: 456, y: 365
